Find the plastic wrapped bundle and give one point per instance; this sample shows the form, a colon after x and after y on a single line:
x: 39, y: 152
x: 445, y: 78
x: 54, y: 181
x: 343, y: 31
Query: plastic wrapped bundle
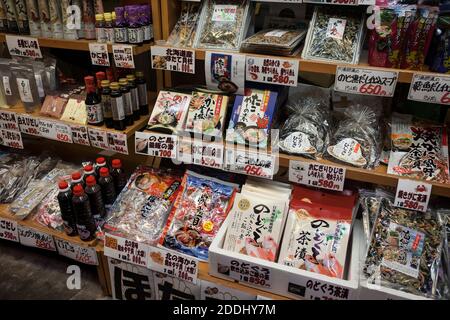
x: 183, y: 33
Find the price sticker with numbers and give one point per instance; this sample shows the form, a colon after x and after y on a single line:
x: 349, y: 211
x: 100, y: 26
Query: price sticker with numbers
x: 98, y: 138
x: 156, y: 144
x: 8, y: 121
x: 55, y: 130
x: 173, y: 59
x: 202, y: 153
x: 80, y: 134
x: 86, y: 255
x: 29, y: 124
x: 9, y: 230
x: 272, y: 70
x: 23, y: 47
x: 126, y: 250
x: 317, y: 175
x: 430, y: 88
x: 99, y: 54
x: 412, y: 195
x: 37, y: 239
x: 252, y: 163
x: 118, y: 142
x: 11, y: 139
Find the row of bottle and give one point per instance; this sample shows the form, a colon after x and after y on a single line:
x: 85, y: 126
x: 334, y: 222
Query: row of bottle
x: 83, y: 202
x: 116, y: 104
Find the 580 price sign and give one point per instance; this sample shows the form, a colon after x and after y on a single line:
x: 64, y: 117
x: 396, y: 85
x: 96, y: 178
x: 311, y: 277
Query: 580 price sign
x: 430, y: 88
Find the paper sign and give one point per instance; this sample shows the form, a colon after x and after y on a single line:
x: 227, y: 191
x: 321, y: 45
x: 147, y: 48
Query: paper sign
x: 98, y: 138
x: 80, y: 134
x: 123, y: 56
x: 318, y: 290
x: 28, y: 124
x: 317, y: 175
x: 23, y: 47
x: 156, y: 145
x: 8, y: 230
x: 55, y: 130
x: 248, y: 273
x: 126, y: 250
x: 173, y: 59
x: 99, y: 54
x: 202, y: 153
x: 412, y: 195
x: 224, y: 71
x: 75, y: 252
x: 8, y: 121
x: 366, y: 81
x: 272, y: 70
x: 174, y: 264
x: 11, y: 139
x: 252, y: 163
x: 33, y: 238
x: 430, y: 88
x: 118, y: 142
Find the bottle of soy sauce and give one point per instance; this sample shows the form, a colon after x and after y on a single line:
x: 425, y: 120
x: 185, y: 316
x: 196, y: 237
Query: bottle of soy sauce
x: 106, y: 183
x: 94, y: 193
x: 81, y: 207
x: 119, y: 176
x: 105, y: 93
x: 134, y: 95
x: 65, y: 206
x: 93, y: 103
x: 142, y: 90
x: 117, y: 107
x: 128, y: 102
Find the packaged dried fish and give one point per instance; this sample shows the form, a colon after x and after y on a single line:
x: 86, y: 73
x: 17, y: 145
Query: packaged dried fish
x: 405, y: 250
x: 183, y: 33
x: 335, y: 34
x: 273, y: 41
x: 222, y: 24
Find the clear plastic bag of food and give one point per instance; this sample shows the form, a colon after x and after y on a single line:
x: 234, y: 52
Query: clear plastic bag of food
x: 183, y: 32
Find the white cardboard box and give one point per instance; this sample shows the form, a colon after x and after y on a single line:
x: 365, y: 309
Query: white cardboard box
x: 284, y: 280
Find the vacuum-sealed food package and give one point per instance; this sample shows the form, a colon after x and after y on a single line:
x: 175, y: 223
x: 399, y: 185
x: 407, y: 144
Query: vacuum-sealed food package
x: 183, y: 32
x: 274, y: 41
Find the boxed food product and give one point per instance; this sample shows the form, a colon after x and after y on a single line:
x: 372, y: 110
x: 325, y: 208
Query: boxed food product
x: 183, y: 32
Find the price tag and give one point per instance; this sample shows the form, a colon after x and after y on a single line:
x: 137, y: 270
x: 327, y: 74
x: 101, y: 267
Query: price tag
x: 310, y: 289
x: 126, y: 250
x: 98, y: 138
x: 156, y: 145
x: 11, y: 139
x: 251, y: 163
x: 317, y: 175
x: 202, y: 153
x: 55, y: 131
x: 249, y: 273
x: 173, y: 59
x: 366, y: 81
x: 365, y: 2
x: 23, y: 47
x: 99, y: 54
x: 222, y: 68
x: 8, y: 230
x: 272, y: 70
x: 430, y: 88
x: 123, y: 56
x: 75, y: 252
x: 118, y: 142
x: 80, y: 134
x: 28, y: 125
x: 173, y: 264
x: 8, y: 121
x: 33, y: 238
x: 412, y: 195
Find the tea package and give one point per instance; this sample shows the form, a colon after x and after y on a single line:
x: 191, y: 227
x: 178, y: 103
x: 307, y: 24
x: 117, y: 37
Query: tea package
x: 405, y: 250
x: 169, y: 112
x: 274, y: 41
x: 335, y: 35
x: 183, y: 32
x: 252, y: 116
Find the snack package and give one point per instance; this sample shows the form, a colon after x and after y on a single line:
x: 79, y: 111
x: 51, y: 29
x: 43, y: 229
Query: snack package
x: 169, y: 112
x: 53, y: 106
x: 75, y: 111
x: 317, y: 232
x: 274, y: 41
x: 8, y: 84
x: 183, y: 32
x: 198, y: 213
x: 206, y: 114
x: 252, y: 116
x: 405, y: 250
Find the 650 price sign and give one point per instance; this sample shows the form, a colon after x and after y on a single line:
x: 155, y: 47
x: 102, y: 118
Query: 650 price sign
x: 430, y: 88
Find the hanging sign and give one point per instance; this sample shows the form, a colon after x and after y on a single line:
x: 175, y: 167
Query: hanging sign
x: 173, y: 59
x: 99, y: 54
x: 272, y: 70
x: 23, y: 47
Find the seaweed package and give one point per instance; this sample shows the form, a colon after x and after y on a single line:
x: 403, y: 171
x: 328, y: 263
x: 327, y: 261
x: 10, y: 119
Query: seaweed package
x: 405, y: 250
x: 357, y: 139
x: 183, y: 33
x: 334, y: 35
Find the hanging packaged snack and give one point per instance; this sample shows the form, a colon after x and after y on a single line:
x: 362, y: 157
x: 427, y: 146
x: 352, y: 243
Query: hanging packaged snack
x: 283, y: 42
x: 334, y: 34
x: 8, y: 84
x: 198, y: 213
x: 222, y: 24
x: 169, y: 112
x: 440, y: 48
x: 419, y: 150
x: 27, y: 86
x: 317, y: 231
x: 251, y: 119
x: 183, y: 32
x: 206, y: 114
x: 405, y: 250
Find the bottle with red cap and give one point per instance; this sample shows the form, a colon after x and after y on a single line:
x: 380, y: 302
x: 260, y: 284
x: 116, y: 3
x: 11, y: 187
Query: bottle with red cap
x: 82, y: 210
x: 106, y: 183
x: 94, y: 193
x: 76, y: 179
x: 93, y: 103
x: 119, y: 176
x: 100, y: 163
x: 100, y: 76
x: 88, y: 171
x: 65, y: 205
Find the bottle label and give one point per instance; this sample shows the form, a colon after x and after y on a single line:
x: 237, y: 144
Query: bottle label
x: 118, y: 110
x: 106, y: 102
x: 25, y: 90
x: 100, y: 34
x: 7, y: 86
x: 121, y: 35
x: 40, y: 85
x: 142, y: 88
x: 135, y: 97
x: 109, y: 35
x: 148, y: 32
x: 128, y: 104
x: 94, y: 113
x: 135, y: 35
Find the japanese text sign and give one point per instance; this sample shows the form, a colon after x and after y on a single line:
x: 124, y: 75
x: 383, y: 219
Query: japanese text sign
x: 23, y: 47
x: 430, y: 88
x: 317, y: 175
x: 123, y: 56
x: 28, y: 124
x: 9, y: 230
x: 55, y: 130
x: 80, y: 134
x: 118, y: 142
x: 250, y: 273
x: 412, y: 195
x: 99, y: 54
x: 126, y: 250
x: 252, y: 163
x: 37, y: 239
x: 156, y: 145
x: 202, y: 153
x: 98, y: 138
x: 173, y: 59
x: 86, y: 255
x: 12, y: 139
x: 272, y: 70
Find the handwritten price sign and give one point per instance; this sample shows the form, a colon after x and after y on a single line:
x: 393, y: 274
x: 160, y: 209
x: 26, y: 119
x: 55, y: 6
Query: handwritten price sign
x: 8, y: 121
x: 23, y: 47
x: 9, y: 230
x: 126, y: 250
x: 430, y: 88
x: 317, y: 175
x: 75, y: 252
x: 34, y: 238
x: 173, y: 59
x: 99, y: 54
x: 412, y: 195
x: 11, y: 139
x: 272, y: 70
x: 251, y: 163
x: 29, y: 125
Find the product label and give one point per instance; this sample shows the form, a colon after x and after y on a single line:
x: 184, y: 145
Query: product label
x: 135, y: 35
x: 249, y: 273
x: 126, y: 250
x: 207, y: 154
x: 25, y: 90
x: 148, y: 33
x: 225, y: 71
x: 251, y: 163
x: 156, y: 145
x: 98, y: 138
x: 121, y: 35
x: 75, y: 252
x: 55, y: 130
x: 276, y: 33
x: 11, y: 139
x: 33, y: 238
x: 298, y: 142
x: 135, y: 98
x: 94, y: 113
x: 23, y: 46
x: 29, y: 125
x: 9, y: 230
x: 173, y: 59
x: 128, y: 104
x: 318, y: 290
x: 7, y: 86
x: 430, y: 88
x: 118, y: 142
x: 272, y: 71
x: 118, y: 108
x: 109, y: 35
x: 224, y: 13
x: 348, y: 150
x: 317, y: 175
x: 412, y: 195
x: 336, y: 28
x: 123, y: 56
x: 80, y: 135
x: 99, y: 54
x: 142, y: 90
x: 8, y: 121
x: 106, y: 106
x: 40, y: 85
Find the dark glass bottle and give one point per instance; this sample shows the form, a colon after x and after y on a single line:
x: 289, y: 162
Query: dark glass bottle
x: 142, y: 91
x: 106, y: 104
x: 93, y: 103
x: 81, y: 207
x: 94, y: 193
x: 134, y: 95
x: 99, y: 77
x: 77, y: 178
x: 106, y: 183
x: 128, y: 102
x: 65, y: 206
x: 117, y: 107
x: 119, y: 176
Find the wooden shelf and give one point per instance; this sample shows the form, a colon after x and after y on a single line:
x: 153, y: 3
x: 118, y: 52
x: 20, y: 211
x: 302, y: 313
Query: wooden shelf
x: 80, y: 45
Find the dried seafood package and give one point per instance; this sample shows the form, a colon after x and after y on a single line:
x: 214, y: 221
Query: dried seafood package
x: 357, y: 140
x: 419, y: 150
x: 334, y: 35
x: 223, y: 24
x: 405, y: 250
x: 183, y: 33
x: 198, y: 214
x: 274, y: 41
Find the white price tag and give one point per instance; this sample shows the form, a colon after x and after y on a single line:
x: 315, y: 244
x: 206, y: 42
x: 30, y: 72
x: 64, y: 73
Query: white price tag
x: 156, y: 144
x: 366, y: 81
x: 98, y: 138
x: 272, y: 70
x: 174, y: 264
x: 251, y: 163
x: 123, y: 56
x: 80, y: 134
x: 317, y: 175
x: 412, y: 195
x: 126, y: 250
x: 118, y: 142
x: 251, y: 274
x: 23, y: 47
x: 9, y: 230
x: 318, y: 290
x: 29, y: 124
x: 173, y: 59
x: 430, y: 88
x: 202, y: 153
x: 99, y: 54
x: 221, y: 68
x: 11, y: 139
x: 8, y: 121
x: 55, y: 130
x: 75, y: 252
x: 33, y: 238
